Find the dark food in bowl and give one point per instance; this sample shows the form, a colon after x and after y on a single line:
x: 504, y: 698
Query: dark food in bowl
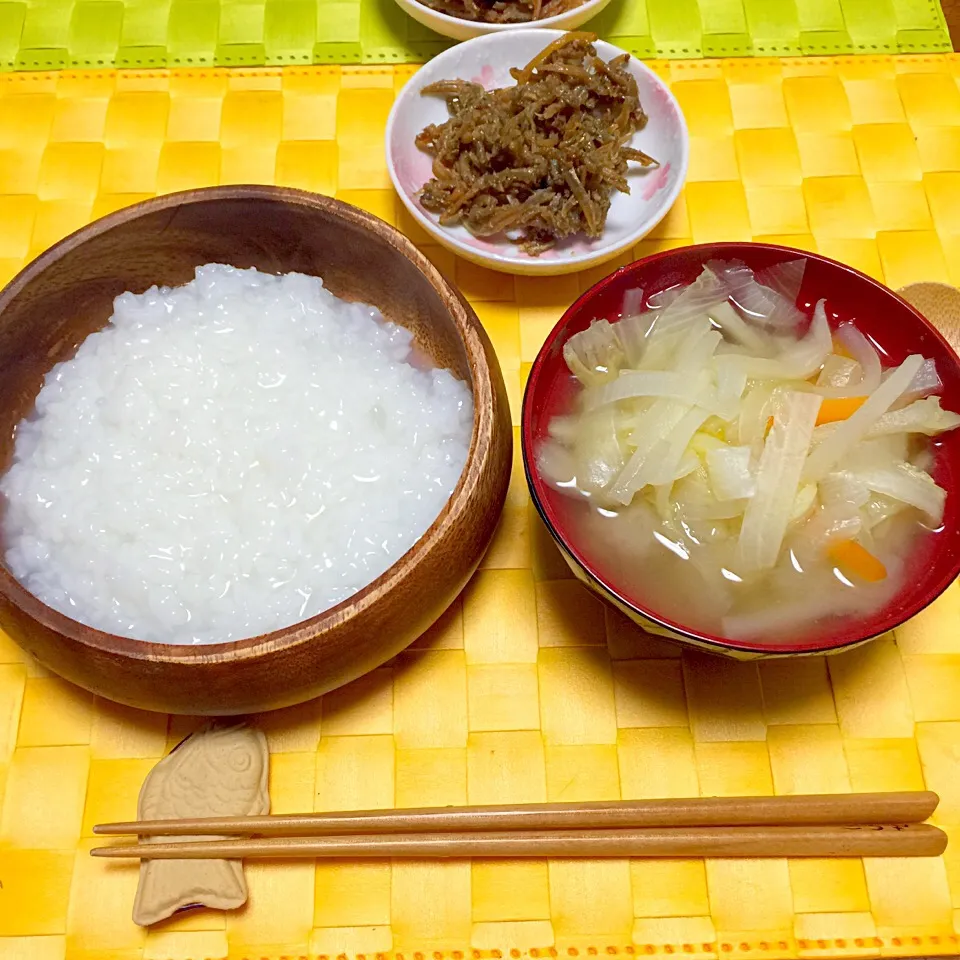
x: 502, y: 11
x: 537, y: 161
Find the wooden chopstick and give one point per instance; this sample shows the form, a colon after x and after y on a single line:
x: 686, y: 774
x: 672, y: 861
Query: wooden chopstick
x: 902, y: 840
x: 854, y: 808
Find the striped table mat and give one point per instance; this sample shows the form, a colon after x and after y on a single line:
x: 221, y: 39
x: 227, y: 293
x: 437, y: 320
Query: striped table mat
x: 57, y: 34
x: 529, y: 688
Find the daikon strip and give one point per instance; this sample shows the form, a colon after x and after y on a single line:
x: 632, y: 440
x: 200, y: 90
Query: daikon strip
x: 926, y: 381
x: 731, y: 382
x: 827, y: 454
x: 778, y: 477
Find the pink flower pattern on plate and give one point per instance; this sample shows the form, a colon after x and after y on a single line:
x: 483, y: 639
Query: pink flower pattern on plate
x: 414, y: 167
x: 656, y: 181
x: 485, y: 78
x: 662, y: 99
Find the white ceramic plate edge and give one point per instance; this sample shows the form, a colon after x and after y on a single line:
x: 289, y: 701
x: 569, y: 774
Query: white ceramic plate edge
x: 457, y: 29
x: 528, y: 266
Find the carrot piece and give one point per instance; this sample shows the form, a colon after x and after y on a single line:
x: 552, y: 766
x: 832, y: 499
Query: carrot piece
x: 838, y: 408
x: 769, y: 427
x: 856, y: 560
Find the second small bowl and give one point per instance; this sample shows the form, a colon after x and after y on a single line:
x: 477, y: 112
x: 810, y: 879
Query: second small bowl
x: 487, y: 60
x: 458, y: 28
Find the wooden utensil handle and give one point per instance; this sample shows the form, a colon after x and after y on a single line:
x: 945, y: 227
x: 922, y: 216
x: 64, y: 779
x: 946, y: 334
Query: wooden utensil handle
x: 905, y: 807
x: 904, y: 840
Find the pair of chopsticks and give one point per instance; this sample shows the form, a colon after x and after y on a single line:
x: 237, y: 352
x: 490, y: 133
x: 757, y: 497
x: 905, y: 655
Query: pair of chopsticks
x: 840, y: 825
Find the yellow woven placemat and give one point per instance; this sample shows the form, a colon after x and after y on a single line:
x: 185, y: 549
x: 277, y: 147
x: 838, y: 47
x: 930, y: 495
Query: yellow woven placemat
x: 529, y: 689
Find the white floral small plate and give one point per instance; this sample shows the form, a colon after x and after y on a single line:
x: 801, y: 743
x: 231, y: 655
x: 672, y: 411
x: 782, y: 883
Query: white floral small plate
x: 488, y: 60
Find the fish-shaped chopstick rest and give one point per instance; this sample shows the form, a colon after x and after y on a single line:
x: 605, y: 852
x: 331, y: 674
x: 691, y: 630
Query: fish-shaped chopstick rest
x: 216, y: 772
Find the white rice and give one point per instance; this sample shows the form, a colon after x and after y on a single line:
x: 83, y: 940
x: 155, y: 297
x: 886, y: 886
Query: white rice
x: 227, y: 458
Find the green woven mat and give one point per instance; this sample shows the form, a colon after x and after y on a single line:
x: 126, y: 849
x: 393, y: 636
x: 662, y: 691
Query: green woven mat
x: 54, y: 34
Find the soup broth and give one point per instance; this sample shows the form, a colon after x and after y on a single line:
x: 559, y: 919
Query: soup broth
x: 740, y: 468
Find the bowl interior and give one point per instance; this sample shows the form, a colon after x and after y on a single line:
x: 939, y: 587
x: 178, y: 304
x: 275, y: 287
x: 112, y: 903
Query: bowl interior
x: 487, y: 60
x: 68, y: 293
x: 892, y: 323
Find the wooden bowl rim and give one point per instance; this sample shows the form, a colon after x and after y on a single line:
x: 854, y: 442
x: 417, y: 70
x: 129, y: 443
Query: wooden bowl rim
x: 469, y: 329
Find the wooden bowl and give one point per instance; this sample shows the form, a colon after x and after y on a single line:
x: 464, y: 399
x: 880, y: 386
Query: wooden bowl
x: 68, y: 292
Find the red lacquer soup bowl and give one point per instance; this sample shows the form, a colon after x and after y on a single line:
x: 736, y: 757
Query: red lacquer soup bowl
x: 878, y: 312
